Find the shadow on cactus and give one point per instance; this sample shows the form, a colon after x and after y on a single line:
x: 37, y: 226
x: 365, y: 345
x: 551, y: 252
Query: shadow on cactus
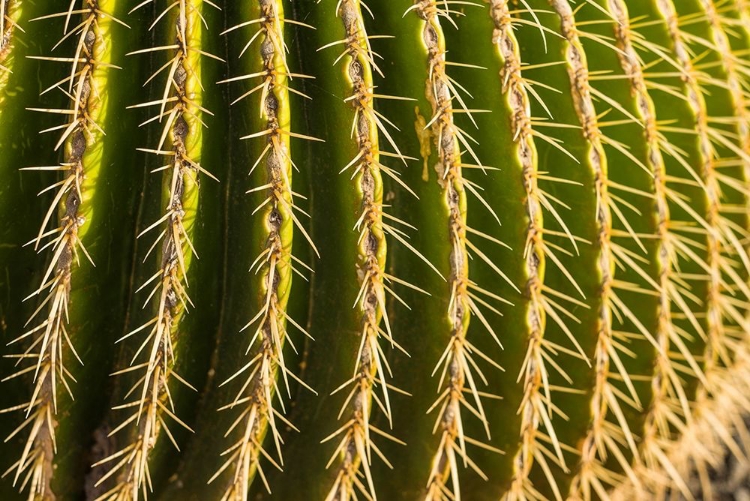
x: 408, y: 249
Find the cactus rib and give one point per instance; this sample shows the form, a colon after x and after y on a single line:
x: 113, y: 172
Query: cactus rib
x: 708, y: 178
x: 180, y: 142
x: 730, y: 254
x: 354, y: 450
x: 604, y: 399
x: 533, y: 370
x: 274, y: 264
x: 457, y: 365
x: 609, y: 429
x: 740, y: 157
x: 49, y: 343
x: 667, y: 391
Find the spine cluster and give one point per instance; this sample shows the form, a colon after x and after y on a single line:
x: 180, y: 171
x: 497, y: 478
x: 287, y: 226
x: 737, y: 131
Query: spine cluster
x: 8, y: 11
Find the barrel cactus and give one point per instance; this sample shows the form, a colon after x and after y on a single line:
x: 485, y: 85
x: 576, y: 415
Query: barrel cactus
x: 408, y: 249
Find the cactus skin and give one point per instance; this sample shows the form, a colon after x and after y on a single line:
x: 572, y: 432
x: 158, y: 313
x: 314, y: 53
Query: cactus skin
x: 524, y: 274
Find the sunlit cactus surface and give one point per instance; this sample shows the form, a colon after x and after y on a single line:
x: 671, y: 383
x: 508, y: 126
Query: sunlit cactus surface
x: 403, y: 250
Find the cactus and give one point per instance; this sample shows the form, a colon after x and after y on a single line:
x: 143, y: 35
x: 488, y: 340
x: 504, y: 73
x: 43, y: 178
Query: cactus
x: 403, y: 249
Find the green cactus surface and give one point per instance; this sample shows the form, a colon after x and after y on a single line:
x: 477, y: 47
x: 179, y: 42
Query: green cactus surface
x: 492, y: 250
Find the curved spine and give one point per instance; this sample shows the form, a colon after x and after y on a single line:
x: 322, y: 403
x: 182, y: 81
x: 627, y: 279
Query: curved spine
x: 180, y: 111
x: 273, y: 266
x: 49, y: 345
